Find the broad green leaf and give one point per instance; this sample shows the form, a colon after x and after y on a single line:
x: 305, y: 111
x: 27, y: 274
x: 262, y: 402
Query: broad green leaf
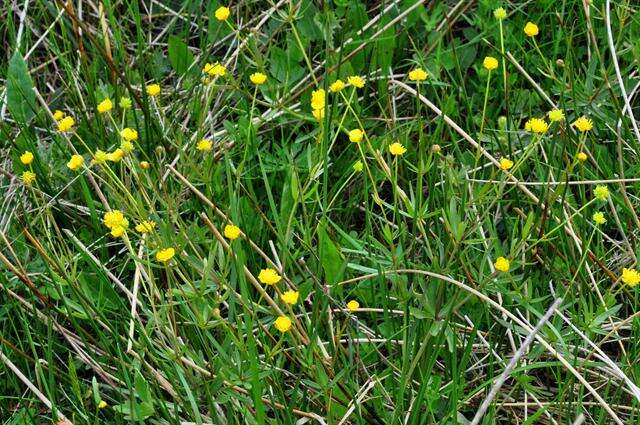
x: 179, y: 55
x: 330, y: 256
x: 21, y: 99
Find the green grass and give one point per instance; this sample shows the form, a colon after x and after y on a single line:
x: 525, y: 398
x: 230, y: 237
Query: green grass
x: 412, y: 238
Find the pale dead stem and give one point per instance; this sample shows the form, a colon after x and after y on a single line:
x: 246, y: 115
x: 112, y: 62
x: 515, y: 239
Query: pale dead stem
x: 520, y: 322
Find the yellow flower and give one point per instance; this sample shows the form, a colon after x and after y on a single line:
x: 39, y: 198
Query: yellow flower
x: 258, y: 78
x: 505, y: 163
x: 100, y: 157
x: 215, y: 70
x: 144, y: 165
x: 356, y: 81
x: 356, y: 135
x: 129, y: 134
x: 26, y: 158
x: 490, y: 63
x: 318, y: 114
x: 397, y: 149
x: 117, y: 231
x: 536, y: 125
x: 630, y: 276
x: 126, y: 146
x: 65, y: 124
x: 204, y: 145
x: 318, y: 99
x: 500, y: 13
x: 502, y: 264
x: 102, y: 404
x: 283, y: 324
x: 164, y: 255
x: 556, y: 115
x: 269, y: 277
x: 231, y: 232
x: 28, y: 177
x: 353, y: 305
x: 583, y: 124
x: 290, y: 297
x: 418, y: 74
x: 116, y: 155
x: 581, y: 156
x: 105, y: 106
x: 153, y: 89
x: 531, y: 29
x: 75, y: 162
x: 598, y: 218
x: 146, y: 226
x: 601, y: 192
x: 58, y: 115
x: 336, y: 86
x: 125, y: 103
x: 114, y: 218
x: 222, y: 13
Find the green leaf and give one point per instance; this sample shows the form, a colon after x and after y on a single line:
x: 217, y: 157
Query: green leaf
x: 21, y: 99
x: 179, y: 55
x: 330, y: 256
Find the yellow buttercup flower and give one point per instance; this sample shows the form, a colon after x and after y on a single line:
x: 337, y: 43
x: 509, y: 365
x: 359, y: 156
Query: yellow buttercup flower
x: 598, y: 218
x: 102, y: 404
x: 353, y: 305
x: 58, y: 115
x: 536, y: 125
x: 204, y: 145
x: 336, y: 86
x: 105, y: 106
x: 65, y: 124
x: 556, y: 115
x: 358, y: 166
x: 258, y: 78
x: 153, y: 89
x: 117, y: 231
x: 396, y: 149
x: 290, y: 297
x: 146, y: 226
x: 100, y: 157
x: 28, y: 177
x: 531, y: 29
x: 505, y: 163
x: 114, y: 218
x: 601, y: 192
x: 127, y: 147
x: 269, y: 277
x: 583, y: 124
x: 283, y: 324
x: 318, y: 114
x: 164, y: 255
x: 125, y: 103
x: 231, y: 232
x: 490, y: 63
x: 630, y: 276
x: 215, y: 70
x: 356, y: 135
x: 500, y: 13
x: 582, y: 156
x: 222, y: 13
x: 356, y: 81
x: 75, y: 162
x: 318, y: 99
x: 26, y: 158
x: 116, y: 155
x: 129, y: 134
x: 144, y: 165
x: 502, y: 264
x: 418, y: 74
